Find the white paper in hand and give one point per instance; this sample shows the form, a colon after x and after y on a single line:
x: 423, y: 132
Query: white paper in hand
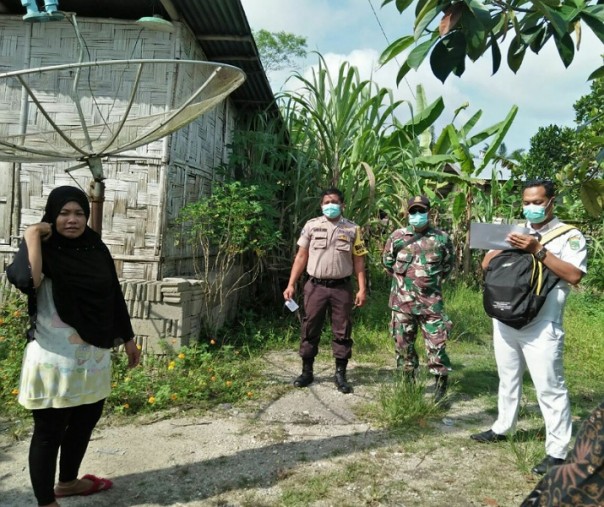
x: 291, y: 305
x: 492, y: 236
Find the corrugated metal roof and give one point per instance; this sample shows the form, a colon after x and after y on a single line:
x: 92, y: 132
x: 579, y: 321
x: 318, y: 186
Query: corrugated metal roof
x: 223, y: 31
x: 221, y: 27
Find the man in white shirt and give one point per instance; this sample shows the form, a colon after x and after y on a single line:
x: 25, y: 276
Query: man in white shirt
x: 539, y: 345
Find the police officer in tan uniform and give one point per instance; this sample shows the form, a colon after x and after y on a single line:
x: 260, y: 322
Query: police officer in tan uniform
x: 331, y: 250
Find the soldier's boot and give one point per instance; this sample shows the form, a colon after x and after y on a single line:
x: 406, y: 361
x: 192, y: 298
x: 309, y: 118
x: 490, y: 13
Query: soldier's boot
x: 440, y: 387
x: 340, y: 377
x: 307, y: 373
x: 408, y: 375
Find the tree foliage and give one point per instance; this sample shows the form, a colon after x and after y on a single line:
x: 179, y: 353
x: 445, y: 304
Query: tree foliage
x: 471, y: 28
x: 279, y: 50
x: 222, y: 229
x: 574, y: 157
x: 550, y: 151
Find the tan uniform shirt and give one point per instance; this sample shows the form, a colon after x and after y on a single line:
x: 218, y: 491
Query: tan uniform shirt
x: 331, y: 247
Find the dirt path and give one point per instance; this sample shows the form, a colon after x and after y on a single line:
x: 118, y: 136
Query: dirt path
x: 306, y: 447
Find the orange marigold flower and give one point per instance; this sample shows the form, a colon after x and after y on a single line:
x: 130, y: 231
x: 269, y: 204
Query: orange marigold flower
x: 151, y: 399
x: 250, y: 394
x: 16, y: 314
x: 173, y: 396
x: 15, y: 392
x: 126, y: 406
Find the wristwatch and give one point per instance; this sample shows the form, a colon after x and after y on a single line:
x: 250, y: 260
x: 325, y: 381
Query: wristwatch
x: 540, y: 255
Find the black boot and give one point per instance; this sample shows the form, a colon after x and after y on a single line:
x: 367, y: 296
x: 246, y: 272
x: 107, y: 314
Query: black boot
x: 340, y: 378
x: 307, y: 373
x: 440, y: 387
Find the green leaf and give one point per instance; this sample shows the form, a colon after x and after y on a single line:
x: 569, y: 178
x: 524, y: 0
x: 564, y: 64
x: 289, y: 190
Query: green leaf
x: 429, y: 11
x: 402, y: 5
x: 449, y: 56
x: 592, y: 196
x: 557, y: 21
x: 435, y: 159
x: 516, y: 53
x: 539, y: 39
x: 426, y: 117
x: 566, y: 48
x: 595, y: 21
x: 596, y: 74
x: 396, y: 48
x: 495, y: 54
x: 459, y: 205
x: 476, y: 35
x: 501, y: 129
x: 419, y: 53
x: 570, y: 12
x: 482, y: 15
x: 402, y: 72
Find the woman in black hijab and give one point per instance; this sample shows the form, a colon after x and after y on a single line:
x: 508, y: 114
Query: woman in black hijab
x: 77, y: 314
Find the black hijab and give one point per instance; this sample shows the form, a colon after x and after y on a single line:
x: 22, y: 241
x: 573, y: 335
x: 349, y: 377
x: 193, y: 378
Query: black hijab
x: 85, y: 287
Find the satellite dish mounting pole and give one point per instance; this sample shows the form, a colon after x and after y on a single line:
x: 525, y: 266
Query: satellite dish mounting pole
x: 97, y: 194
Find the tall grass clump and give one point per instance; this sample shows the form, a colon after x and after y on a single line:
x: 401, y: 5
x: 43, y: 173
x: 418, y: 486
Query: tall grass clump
x: 402, y: 403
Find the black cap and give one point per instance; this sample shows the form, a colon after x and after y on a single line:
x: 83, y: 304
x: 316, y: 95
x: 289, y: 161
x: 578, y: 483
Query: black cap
x: 419, y: 201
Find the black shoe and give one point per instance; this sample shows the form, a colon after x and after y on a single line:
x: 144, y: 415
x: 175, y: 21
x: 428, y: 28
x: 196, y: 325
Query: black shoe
x: 488, y: 437
x: 546, y: 464
x: 307, y: 376
x: 340, y: 377
x: 304, y: 380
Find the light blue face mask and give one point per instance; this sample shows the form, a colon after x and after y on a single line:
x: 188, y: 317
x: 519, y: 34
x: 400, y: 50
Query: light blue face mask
x: 535, y: 213
x: 331, y: 210
x: 418, y: 219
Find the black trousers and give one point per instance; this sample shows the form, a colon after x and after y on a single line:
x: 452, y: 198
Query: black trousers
x: 318, y: 301
x: 68, y: 429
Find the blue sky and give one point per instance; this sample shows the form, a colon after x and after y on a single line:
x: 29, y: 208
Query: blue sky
x: 543, y: 89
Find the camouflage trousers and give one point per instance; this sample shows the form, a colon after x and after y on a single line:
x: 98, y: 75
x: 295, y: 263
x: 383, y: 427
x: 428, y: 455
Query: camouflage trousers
x: 435, y: 326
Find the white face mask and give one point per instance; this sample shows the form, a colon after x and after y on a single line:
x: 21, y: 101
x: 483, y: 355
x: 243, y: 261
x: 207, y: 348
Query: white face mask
x: 535, y: 213
x: 331, y: 210
x: 418, y: 219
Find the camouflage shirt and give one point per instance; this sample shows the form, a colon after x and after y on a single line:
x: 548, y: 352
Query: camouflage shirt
x: 418, y: 262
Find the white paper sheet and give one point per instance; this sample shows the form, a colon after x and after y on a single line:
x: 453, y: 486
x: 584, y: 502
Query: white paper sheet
x: 492, y: 236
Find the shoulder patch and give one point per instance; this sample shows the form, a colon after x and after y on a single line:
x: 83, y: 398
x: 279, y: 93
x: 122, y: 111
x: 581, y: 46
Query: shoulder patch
x: 574, y: 242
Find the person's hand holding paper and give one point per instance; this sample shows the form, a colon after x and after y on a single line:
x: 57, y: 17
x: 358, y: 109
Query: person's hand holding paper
x: 498, y: 236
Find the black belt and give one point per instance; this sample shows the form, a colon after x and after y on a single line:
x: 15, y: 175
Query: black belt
x: 329, y: 282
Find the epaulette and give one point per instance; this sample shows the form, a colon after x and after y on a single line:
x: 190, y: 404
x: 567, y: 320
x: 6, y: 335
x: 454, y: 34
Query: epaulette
x: 349, y: 222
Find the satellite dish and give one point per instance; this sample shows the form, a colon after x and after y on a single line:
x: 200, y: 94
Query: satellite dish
x: 88, y: 111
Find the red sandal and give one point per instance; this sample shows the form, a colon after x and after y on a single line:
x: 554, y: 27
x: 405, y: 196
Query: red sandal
x: 98, y: 484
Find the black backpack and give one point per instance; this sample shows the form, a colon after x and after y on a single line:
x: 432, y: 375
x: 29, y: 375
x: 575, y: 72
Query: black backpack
x: 516, y: 284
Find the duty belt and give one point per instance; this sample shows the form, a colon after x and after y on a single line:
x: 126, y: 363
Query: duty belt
x: 329, y: 282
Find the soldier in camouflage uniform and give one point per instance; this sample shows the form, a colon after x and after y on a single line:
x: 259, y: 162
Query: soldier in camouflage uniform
x: 419, y: 258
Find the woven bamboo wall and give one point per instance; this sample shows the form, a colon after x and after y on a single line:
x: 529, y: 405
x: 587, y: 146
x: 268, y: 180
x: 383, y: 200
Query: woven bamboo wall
x: 141, y: 197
